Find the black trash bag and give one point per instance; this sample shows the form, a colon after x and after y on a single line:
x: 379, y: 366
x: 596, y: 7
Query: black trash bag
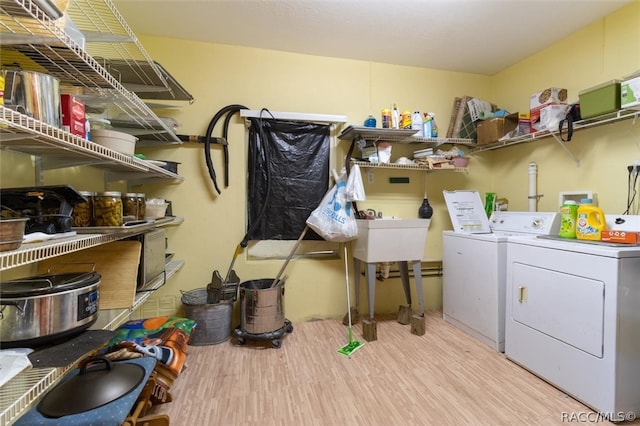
x: 288, y: 176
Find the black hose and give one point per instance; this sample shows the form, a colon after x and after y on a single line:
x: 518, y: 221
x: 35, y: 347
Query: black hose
x: 230, y: 110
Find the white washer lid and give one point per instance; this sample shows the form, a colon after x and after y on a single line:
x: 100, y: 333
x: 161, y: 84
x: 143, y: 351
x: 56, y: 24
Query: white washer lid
x: 467, y: 212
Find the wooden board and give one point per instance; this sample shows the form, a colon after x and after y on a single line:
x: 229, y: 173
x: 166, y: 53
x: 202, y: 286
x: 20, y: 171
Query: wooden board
x: 116, y: 262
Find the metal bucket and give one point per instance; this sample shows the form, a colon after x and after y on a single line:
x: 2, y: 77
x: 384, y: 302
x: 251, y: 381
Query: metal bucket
x: 213, y: 320
x: 261, y: 307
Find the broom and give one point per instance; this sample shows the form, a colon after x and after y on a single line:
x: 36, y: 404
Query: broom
x: 353, y: 345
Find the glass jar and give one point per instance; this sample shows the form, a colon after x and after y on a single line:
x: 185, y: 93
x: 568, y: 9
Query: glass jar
x: 82, y: 213
x: 107, y: 209
x: 130, y: 206
x: 142, y: 204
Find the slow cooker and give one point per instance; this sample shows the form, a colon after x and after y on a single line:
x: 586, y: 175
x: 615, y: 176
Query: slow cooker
x: 47, y: 308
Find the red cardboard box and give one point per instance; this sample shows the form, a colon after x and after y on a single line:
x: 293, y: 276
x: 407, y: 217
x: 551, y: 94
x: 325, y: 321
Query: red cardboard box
x: 73, y: 115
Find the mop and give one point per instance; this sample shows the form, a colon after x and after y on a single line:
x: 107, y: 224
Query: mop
x: 353, y: 345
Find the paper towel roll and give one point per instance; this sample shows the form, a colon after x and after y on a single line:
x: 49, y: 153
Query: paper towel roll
x: 485, y: 115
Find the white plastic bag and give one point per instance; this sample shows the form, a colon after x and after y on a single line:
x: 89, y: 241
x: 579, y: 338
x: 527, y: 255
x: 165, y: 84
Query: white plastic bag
x: 355, y: 187
x: 334, y: 219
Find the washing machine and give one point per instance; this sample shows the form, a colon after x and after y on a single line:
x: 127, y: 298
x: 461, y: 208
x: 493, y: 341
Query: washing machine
x: 573, y: 316
x: 474, y: 256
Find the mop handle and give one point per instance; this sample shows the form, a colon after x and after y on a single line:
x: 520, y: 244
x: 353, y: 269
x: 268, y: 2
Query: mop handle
x: 346, y: 276
x: 291, y: 253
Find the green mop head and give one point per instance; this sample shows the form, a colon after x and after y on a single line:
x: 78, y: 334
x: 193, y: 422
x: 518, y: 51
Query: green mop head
x: 350, y: 347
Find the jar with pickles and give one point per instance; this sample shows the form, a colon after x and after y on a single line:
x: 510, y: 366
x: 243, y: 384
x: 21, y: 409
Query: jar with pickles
x: 142, y: 205
x: 130, y: 206
x: 82, y: 213
x: 107, y: 209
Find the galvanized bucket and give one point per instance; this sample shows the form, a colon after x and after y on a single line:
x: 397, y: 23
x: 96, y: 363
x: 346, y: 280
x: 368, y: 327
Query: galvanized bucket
x: 261, y: 306
x: 213, y: 320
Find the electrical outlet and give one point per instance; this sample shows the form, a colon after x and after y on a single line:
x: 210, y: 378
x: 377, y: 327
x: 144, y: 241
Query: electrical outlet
x: 634, y: 169
x: 370, y: 176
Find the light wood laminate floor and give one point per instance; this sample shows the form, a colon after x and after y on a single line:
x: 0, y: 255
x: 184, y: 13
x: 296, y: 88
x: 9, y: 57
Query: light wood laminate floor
x: 444, y: 377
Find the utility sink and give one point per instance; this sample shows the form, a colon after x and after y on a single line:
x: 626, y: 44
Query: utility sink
x: 390, y: 240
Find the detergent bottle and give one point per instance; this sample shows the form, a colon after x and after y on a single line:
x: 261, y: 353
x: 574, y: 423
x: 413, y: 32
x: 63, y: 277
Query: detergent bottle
x: 591, y: 221
x: 568, y: 219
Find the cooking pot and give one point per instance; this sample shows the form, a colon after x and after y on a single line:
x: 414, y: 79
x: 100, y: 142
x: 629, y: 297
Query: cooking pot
x: 34, y: 94
x: 47, y: 308
x: 93, y: 387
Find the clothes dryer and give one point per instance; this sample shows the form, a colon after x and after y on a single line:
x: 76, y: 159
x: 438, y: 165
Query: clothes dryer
x: 573, y: 317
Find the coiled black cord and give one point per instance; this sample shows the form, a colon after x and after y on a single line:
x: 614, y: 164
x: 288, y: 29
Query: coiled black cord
x: 229, y: 110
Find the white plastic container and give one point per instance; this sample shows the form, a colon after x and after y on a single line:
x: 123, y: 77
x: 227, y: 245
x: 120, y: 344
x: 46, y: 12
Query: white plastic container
x: 155, y: 208
x: 117, y: 141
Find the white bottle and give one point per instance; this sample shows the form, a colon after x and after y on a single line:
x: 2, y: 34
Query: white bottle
x: 416, y: 124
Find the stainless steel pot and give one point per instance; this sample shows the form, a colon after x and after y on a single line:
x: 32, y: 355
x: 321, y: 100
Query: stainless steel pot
x: 45, y: 308
x: 34, y: 94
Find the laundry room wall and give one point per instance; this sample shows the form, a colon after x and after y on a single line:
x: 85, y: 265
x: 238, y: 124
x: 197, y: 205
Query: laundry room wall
x: 218, y: 75
x: 603, y: 51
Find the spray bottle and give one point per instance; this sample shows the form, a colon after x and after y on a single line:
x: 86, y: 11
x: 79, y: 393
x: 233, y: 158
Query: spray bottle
x: 434, y: 126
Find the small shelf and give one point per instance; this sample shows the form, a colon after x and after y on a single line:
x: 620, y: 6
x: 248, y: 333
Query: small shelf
x: 397, y: 135
x: 58, y: 149
x: 613, y: 117
x: 23, y: 391
x: 33, y: 252
x: 368, y: 165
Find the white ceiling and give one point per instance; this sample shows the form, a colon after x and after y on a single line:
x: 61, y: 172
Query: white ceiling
x: 475, y: 36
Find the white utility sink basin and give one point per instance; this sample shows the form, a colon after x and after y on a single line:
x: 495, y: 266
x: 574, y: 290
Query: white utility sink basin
x: 390, y: 240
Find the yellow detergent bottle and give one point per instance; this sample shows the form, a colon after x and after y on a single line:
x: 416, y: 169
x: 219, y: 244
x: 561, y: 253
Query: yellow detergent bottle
x: 591, y: 221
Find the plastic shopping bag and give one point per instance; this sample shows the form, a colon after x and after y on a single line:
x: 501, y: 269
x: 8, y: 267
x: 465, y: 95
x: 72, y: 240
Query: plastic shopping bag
x: 334, y: 219
x: 355, y: 187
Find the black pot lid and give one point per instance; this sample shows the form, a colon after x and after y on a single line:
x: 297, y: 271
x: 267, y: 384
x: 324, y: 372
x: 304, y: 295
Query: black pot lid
x: 92, y: 387
x: 47, y: 284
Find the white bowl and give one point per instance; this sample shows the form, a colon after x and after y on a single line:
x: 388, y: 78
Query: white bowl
x: 117, y: 141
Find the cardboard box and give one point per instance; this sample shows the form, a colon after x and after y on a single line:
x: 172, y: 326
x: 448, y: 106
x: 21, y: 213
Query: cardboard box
x: 539, y: 100
x: 73, y: 115
x: 601, y: 99
x: 625, y: 237
x: 489, y: 131
x: 524, y: 123
x: 630, y: 92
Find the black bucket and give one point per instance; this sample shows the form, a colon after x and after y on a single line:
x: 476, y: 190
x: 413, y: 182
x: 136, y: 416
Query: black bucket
x: 261, y: 306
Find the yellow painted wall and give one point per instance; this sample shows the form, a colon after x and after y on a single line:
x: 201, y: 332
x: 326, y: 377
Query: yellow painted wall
x: 219, y: 75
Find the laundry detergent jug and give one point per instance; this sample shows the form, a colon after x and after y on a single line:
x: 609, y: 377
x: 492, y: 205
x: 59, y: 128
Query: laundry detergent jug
x: 591, y: 221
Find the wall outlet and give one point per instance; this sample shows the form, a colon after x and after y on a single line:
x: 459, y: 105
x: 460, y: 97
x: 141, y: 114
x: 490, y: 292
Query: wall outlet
x: 370, y: 176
